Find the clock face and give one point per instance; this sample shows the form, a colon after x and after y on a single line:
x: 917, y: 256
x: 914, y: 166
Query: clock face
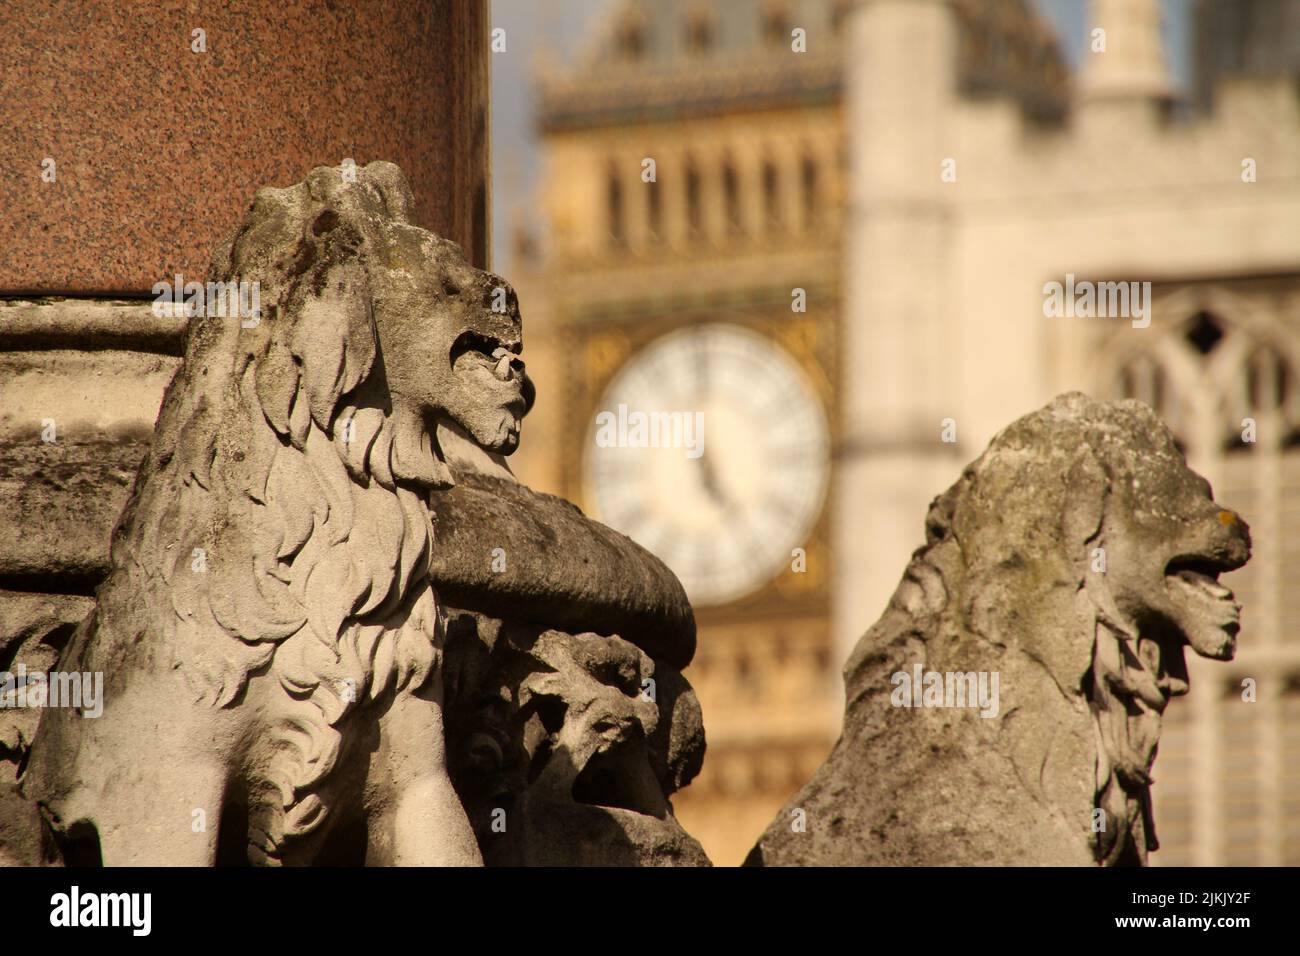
x: 729, y: 476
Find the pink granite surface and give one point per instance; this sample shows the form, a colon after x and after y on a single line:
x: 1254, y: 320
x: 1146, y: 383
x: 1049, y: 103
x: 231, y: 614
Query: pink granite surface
x: 159, y: 149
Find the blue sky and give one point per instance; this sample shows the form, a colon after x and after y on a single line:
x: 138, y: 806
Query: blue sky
x: 557, y: 27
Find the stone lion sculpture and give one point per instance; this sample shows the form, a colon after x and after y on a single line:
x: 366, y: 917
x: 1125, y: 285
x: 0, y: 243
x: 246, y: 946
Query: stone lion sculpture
x: 269, y: 636
x: 1062, y: 577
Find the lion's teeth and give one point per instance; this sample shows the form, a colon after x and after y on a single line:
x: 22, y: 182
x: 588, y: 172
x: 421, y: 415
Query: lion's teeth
x: 1204, y: 583
x: 502, y: 369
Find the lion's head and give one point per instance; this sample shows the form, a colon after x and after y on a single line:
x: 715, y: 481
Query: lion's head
x: 1074, y: 560
x: 366, y: 306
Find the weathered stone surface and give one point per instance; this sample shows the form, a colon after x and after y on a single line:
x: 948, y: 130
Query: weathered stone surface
x: 63, y: 499
x: 34, y: 629
x: 1010, y: 583
x: 271, y: 644
x: 22, y: 840
x: 566, y: 747
x: 557, y: 567
x: 560, y: 568
x: 79, y: 396
x: 80, y: 386
x: 58, y: 323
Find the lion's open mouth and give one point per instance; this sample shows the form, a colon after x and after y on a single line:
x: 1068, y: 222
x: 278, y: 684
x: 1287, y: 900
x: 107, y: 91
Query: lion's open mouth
x: 475, y: 350
x: 1200, y: 576
x: 618, y: 774
x: 491, y: 382
x: 1208, y: 613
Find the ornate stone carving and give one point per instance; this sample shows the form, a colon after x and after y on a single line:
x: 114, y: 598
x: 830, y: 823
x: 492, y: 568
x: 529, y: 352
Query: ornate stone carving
x: 34, y: 628
x: 566, y: 747
x: 1074, y: 560
x: 271, y: 644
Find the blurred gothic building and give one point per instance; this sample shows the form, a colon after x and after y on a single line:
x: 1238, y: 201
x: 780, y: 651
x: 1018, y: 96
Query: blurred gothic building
x: 828, y: 224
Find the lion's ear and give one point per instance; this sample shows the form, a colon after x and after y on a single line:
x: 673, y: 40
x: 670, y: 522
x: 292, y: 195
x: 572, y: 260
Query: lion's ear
x: 333, y: 338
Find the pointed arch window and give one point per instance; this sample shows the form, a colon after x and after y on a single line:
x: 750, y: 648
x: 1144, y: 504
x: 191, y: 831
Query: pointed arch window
x: 776, y: 24
x: 731, y: 197
x: 771, y: 196
x: 810, y: 188
x: 1210, y: 366
x: 654, y: 214
x: 615, y: 213
x: 699, y: 32
x: 630, y: 37
x: 694, y: 202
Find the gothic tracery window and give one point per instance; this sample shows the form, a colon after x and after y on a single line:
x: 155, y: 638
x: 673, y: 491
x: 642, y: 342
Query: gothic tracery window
x: 1224, y: 379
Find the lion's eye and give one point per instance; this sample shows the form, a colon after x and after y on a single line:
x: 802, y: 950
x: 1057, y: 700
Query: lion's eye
x: 450, y: 288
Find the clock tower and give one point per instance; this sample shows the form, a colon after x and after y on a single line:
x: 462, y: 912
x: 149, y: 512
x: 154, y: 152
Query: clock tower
x: 682, y: 325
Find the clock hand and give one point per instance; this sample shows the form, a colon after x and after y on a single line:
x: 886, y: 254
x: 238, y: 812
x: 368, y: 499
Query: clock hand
x: 703, y: 387
x: 709, y: 476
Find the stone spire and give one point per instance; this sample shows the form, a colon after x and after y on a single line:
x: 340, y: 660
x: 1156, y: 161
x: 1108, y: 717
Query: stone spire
x: 1133, y: 63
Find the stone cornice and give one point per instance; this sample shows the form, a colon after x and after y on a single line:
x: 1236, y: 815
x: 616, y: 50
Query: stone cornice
x: 617, y: 94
